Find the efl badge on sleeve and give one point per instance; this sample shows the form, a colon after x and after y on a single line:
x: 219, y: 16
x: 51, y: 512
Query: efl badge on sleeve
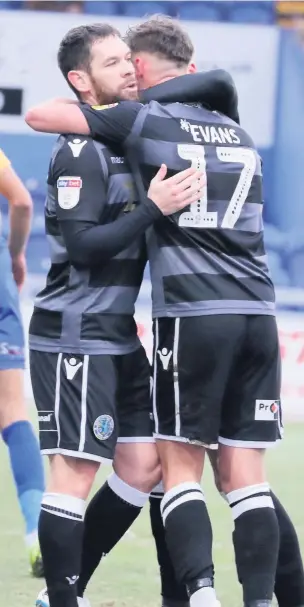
x: 68, y: 191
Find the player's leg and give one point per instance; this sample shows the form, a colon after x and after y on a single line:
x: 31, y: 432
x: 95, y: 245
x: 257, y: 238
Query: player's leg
x: 136, y: 467
x: 189, y: 381
x: 17, y: 432
x: 251, y: 422
x: 174, y: 594
x: 77, y: 430
x: 289, y: 583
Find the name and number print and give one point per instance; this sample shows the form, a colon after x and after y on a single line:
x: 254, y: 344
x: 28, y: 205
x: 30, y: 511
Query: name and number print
x: 198, y: 215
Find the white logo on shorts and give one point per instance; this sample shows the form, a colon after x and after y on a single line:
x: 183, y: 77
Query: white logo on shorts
x: 165, y: 356
x: 267, y: 410
x: 71, y: 367
x: 45, y: 418
x: 72, y: 580
x: 103, y: 427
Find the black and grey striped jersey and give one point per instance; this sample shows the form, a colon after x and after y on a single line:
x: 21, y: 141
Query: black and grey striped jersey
x: 87, y: 305
x: 210, y: 258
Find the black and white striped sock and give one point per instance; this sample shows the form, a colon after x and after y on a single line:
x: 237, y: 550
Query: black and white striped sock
x: 256, y: 542
x: 110, y: 513
x: 173, y: 593
x: 189, y: 539
x: 60, y: 537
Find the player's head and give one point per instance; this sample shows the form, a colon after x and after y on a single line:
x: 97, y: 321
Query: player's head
x: 97, y: 64
x: 161, y: 49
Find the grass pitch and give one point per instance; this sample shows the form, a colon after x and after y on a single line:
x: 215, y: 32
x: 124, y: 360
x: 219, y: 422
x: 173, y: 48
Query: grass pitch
x: 129, y: 576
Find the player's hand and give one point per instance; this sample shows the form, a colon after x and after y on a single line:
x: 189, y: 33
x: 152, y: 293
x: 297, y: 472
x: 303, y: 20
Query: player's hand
x: 19, y: 270
x: 173, y: 194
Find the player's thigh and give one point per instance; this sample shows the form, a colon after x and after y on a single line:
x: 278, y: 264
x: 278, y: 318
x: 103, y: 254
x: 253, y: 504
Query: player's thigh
x: 136, y: 459
x: 252, y: 417
x: 75, y: 396
x: 192, y: 360
x: 12, y: 405
x: 134, y: 407
x: 71, y: 475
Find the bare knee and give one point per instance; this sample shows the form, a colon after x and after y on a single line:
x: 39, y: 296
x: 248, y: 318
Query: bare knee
x: 137, y: 464
x: 240, y: 467
x: 71, y: 476
x: 12, y: 403
x: 180, y: 462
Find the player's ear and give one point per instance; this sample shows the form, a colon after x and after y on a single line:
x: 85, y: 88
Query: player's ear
x: 79, y: 80
x: 138, y: 63
x: 192, y: 69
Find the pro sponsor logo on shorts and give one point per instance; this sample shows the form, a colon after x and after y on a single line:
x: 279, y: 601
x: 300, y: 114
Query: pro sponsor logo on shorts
x: 103, y: 427
x: 68, y: 191
x: 267, y: 410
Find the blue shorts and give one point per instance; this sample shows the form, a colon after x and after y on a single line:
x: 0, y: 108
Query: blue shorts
x: 11, y: 330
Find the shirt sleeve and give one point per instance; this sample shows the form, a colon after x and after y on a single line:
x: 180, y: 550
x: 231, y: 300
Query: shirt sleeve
x: 214, y: 89
x: 79, y: 181
x: 111, y: 124
x: 81, y: 196
x: 4, y: 161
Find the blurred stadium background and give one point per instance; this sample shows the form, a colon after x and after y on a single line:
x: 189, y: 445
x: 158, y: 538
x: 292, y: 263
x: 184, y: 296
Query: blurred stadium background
x: 261, y: 43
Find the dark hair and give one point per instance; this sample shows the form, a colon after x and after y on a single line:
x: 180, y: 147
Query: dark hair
x: 160, y: 35
x: 75, y: 48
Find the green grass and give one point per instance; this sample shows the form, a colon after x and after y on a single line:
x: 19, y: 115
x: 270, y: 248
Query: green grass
x: 129, y: 577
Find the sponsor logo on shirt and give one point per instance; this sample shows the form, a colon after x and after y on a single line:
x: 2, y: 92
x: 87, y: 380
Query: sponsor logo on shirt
x: 68, y: 191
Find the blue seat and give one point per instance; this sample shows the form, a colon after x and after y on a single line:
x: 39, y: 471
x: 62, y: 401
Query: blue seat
x: 100, y: 8
x: 5, y: 6
x: 252, y: 12
x: 201, y: 11
x: 16, y: 5
x: 141, y: 9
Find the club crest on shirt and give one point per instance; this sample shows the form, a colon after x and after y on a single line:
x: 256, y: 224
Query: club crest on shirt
x: 103, y: 107
x: 68, y: 191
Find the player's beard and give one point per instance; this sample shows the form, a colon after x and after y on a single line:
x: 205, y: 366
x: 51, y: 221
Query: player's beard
x: 128, y: 95
x: 104, y: 97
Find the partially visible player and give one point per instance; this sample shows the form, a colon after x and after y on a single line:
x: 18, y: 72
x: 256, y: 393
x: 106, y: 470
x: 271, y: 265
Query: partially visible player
x: 16, y: 429
x: 168, y: 60
x: 90, y: 374
x: 212, y: 298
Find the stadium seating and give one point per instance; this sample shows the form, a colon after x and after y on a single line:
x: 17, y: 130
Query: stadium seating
x: 6, y: 5
x: 241, y: 11
x: 202, y: 11
x: 141, y: 9
x: 251, y: 12
x: 92, y: 7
